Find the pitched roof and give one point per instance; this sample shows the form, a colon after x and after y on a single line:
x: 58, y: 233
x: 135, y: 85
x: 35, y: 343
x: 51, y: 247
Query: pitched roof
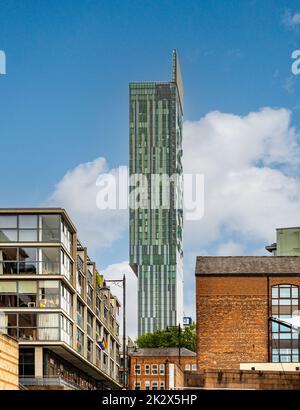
x: 162, y: 351
x: 222, y: 265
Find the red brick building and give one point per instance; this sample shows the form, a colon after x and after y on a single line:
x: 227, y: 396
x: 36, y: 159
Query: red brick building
x: 159, y: 368
x: 235, y: 298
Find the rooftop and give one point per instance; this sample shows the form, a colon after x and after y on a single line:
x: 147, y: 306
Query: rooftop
x: 162, y: 351
x: 226, y: 265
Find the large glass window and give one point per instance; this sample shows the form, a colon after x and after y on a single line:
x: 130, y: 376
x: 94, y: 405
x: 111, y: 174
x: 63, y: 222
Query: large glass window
x: 36, y: 326
x: 28, y: 260
x: 8, y: 294
x: 50, y: 261
x: 26, y: 362
x: 80, y: 341
x: 27, y: 294
x: 285, y: 341
x: 48, y: 294
x: 30, y: 228
x: 89, y: 325
x: 66, y: 266
x: 66, y: 236
x: 79, y: 314
x: 48, y: 326
x: 8, y: 261
x: 50, y: 225
x: 66, y: 330
x: 66, y: 300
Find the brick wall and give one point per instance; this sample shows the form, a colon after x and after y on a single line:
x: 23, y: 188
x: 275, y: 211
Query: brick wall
x: 232, y: 324
x: 142, y: 378
x: 232, y: 319
x: 9, y: 363
x: 235, y: 379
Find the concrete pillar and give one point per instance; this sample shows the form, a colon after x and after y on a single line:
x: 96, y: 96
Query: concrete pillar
x: 38, y: 361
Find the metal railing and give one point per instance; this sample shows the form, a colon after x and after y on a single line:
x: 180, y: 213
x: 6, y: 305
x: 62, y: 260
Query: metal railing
x: 47, y: 381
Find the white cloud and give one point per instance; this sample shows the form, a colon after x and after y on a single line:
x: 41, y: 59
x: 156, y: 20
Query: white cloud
x: 77, y: 192
x: 289, y: 84
x: 116, y: 271
x: 250, y: 164
x: 291, y: 20
x: 230, y: 248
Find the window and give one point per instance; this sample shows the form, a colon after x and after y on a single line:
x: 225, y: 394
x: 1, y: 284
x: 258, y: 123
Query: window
x: 66, y: 266
x: 147, y: 385
x: 26, y: 363
x: 89, y: 295
x: 50, y: 228
x: 66, y: 300
x: 137, y: 385
x: 79, y: 283
x: 137, y: 369
x: 8, y: 294
x: 98, y: 306
x: 162, y: 385
x: 188, y: 367
x: 285, y: 341
x: 89, y: 325
x: 162, y: 369
x: 89, y: 350
x: 48, y: 294
x: 50, y: 261
x: 48, y: 326
x: 27, y: 294
x: 147, y: 368
x: 79, y: 314
x: 98, y: 331
x: 154, y: 369
x: 79, y: 341
x: 194, y: 367
x: 66, y: 330
x: 154, y: 385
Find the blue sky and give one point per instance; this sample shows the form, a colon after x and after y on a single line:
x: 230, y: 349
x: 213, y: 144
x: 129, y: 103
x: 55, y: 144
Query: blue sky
x: 64, y: 100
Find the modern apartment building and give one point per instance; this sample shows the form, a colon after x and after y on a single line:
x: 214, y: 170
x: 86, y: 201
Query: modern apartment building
x: 287, y: 242
x: 156, y: 116
x: 53, y: 302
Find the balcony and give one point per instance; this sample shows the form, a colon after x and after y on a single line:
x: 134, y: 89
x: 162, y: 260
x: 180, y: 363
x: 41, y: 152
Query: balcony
x: 48, y: 381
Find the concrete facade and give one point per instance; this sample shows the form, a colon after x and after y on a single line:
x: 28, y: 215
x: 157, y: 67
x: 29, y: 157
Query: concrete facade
x: 9, y: 363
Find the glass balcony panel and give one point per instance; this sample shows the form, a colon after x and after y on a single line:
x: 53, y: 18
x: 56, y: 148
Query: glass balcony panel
x: 8, y: 235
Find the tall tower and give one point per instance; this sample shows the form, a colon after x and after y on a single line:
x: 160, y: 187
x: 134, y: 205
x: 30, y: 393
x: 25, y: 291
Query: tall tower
x: 156, y: 255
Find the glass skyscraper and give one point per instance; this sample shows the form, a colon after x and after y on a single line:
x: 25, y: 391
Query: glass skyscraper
x: 155, y: 120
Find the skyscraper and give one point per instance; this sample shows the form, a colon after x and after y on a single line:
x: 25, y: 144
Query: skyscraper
x: 155, y: 120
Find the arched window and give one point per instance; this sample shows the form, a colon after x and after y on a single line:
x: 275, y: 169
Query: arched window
x: 285, y: 345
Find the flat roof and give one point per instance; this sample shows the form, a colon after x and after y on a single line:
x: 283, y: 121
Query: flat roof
x: 247, y: 265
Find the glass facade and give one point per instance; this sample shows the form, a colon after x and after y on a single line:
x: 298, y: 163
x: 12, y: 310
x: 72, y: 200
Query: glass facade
x: 285, y: 340
x: 40, y: 299
x: 155, y: 117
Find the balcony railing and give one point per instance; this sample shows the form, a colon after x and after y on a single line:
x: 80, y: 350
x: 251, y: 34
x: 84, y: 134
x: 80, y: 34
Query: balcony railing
x: 47, y: 381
